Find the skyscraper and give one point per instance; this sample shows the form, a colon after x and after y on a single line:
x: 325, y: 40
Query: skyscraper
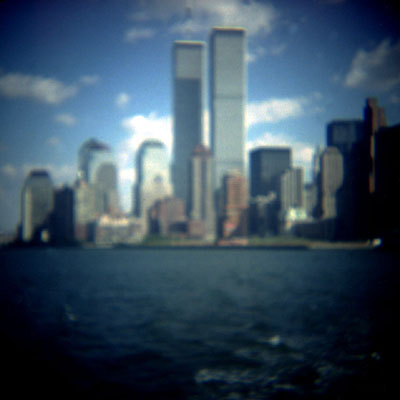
x: 234, y: 218
x: 349, y: 137
x: 96, y: 167
x: 374, y: 119
x: 189, y: 74
x: 291, y: 189
x: 267, y: 164
x: 201, y: 194
x: 153, y: 178
x: 36, y: 206
x: 331, y: 180
x: 227, y: 100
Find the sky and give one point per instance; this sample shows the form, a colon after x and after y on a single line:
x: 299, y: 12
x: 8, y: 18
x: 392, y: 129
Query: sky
x: 72, y: 70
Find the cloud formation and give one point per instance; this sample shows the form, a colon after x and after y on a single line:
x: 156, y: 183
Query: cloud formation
x: 377, y: 69
x: 135, y: 34
x: 45, y: 90
x: 122, y: 100
x: 275, y: 109
x: 65, y: 119
x: 200, y: 16
x: 89, y: 80
x: 141, y: 128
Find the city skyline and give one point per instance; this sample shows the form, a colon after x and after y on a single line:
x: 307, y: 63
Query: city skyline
x: 62, y: 82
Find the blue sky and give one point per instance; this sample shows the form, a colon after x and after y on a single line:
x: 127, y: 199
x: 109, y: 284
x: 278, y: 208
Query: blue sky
x: 71, y: 70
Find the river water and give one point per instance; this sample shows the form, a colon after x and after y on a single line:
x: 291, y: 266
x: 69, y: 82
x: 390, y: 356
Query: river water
x: 199, y: 323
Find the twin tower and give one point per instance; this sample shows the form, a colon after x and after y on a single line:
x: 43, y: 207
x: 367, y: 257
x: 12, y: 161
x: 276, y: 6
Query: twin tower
x: 227, y: 100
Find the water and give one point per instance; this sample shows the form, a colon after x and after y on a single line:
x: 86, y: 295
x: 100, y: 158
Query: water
x: 199, y: 324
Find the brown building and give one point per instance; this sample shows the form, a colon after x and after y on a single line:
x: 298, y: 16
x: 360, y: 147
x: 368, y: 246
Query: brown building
x: 234, y: 219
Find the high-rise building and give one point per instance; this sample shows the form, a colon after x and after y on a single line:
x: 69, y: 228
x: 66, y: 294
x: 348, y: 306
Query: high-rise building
x: 189, y: 72
x: 62, y: 219
x: 202, y: 194
x: 153, y: 178
x: 267, y: 164
x: 331, y: 180
x: 291, y: 189
x: 234, y: 218
x: 349, y: 137
x: 387, y: 187
x: 227, y: 100
x: 374, y: 119
x: 96, y: 167
x: 36, y: 206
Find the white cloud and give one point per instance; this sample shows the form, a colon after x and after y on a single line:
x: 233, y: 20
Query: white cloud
x: 135, y: 34
x: 201, y: 16
x: 378, y: 69
x: 143, y: 127
x: 89, y: 80
x: 275, y: 109
x: 122, y: 99
x: 65, y: 119
x: 46, y: 90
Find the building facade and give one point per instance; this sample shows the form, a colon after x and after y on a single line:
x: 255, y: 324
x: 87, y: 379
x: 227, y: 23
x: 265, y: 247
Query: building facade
x: 331, y: 180
x: 374, y: 119
x: 189, y: 72
x: 96, y: 167
x: 201, y: 194
x: 267, y: 164
x: 234, y: 219
x: 227, y: 100
x: 153, y: 177
x: 291, y: 189
x: 37, y: 201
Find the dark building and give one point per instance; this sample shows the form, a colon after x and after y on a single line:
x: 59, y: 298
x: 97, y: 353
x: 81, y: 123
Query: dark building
x: 387, y: 182
x: 36, y: 206
x: 350, y: 138
x: 267, y: 164
x: 62, y: 220
x: 374, y: 119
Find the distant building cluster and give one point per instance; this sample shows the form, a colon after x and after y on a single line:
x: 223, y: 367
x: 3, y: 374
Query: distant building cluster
x: 209, y: 193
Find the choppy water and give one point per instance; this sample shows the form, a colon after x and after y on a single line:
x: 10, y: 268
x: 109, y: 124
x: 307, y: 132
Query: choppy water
x: 199, y: 324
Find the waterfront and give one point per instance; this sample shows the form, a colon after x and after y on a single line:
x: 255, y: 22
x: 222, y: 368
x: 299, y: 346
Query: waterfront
x: 200, y: 323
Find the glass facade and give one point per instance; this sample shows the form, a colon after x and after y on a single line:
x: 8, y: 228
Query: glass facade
x: 36, y: 205
x: 189, y: 74
x: 153, y: 180
x: 227, y: 100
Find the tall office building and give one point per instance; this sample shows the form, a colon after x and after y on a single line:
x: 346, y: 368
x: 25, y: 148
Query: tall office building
x: 96, y: 167
x: 201, y: 194
x: 349, y: 137
x: 36, y: 206
x: 227, y: 100
x: 189, y: 72
x: 62, y: 219
x: 153, y: 178
x: 234, y: 219
x: 291, y: 189
x: 331, y: 180
x: 387, y: 187
x: 374, y: 119
x: 267, y: 164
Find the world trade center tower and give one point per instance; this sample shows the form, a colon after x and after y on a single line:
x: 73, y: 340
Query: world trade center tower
x: 227, y: 100
x: 189, y: 73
